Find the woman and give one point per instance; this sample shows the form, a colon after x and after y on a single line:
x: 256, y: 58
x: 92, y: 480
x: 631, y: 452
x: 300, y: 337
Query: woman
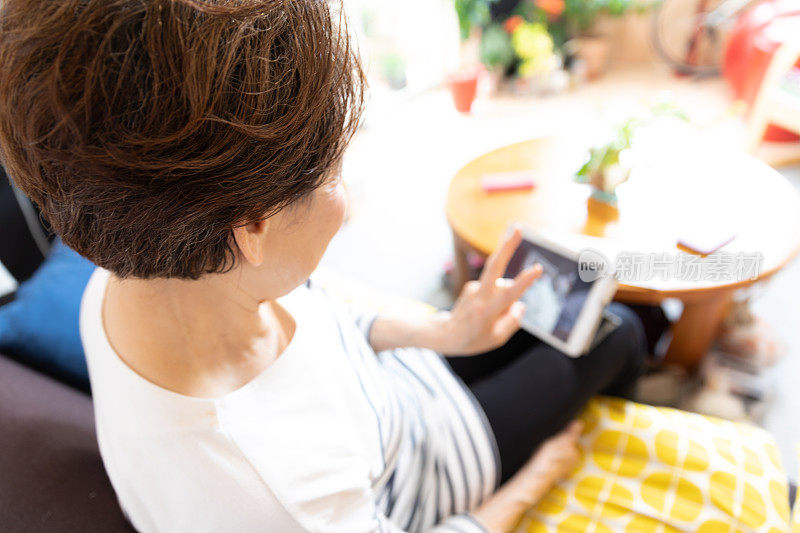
x: 191, y: 149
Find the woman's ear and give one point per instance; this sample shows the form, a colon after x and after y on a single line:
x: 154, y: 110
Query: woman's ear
x: 250, y: 239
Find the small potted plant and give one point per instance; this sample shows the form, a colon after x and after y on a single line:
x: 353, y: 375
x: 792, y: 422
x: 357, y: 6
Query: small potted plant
x: 606, y: 166
x: 609, y: 164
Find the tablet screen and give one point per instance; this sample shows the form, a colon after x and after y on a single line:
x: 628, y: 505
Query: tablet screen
x: 554, y: 301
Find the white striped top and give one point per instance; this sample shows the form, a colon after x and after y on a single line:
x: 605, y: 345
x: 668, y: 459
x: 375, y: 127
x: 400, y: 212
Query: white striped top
x: 330, y: 437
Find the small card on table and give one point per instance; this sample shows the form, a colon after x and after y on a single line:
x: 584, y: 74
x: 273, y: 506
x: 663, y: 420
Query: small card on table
x: 520, y: 180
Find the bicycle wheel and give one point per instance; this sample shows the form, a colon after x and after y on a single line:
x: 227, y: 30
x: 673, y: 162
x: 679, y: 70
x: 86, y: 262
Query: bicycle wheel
x: 682, y: 38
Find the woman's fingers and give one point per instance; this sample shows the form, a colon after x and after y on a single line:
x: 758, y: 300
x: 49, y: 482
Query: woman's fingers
x: 503, y: 283
x: 508, y: 323
x: 496, y: 264
x: 513, y: 289
x: 524, y: 280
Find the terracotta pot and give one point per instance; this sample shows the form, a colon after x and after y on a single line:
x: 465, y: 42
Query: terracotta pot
x: 594, y: 51
x: 464, y: 87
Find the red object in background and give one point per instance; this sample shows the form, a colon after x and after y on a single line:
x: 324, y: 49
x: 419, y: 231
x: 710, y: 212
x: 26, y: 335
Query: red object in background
x: 464, y: 86
x: 553, y: 8
x: 512, y: 22
x: 751, y: 45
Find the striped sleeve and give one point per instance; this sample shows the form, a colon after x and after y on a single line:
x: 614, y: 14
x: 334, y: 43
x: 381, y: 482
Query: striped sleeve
x: 364, y: 319
x: 362, y: 315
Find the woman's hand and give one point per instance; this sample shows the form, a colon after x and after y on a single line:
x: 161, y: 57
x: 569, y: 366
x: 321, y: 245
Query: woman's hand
x: 487, y: 312
x: 555, y: 458
x: 553, y: 461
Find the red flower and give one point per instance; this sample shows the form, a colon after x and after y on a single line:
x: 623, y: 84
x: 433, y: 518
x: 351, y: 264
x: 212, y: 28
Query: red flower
x: 554, y: 8
x: 512, y: 23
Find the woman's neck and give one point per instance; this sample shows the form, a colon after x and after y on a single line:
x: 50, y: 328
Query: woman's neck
x: 201, y: 337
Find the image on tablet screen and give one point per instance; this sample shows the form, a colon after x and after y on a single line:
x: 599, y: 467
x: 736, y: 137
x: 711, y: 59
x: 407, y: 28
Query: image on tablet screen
x: 554, y: 301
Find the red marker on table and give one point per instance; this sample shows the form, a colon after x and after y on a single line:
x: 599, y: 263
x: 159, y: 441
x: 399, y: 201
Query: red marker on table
x: 507, y: 181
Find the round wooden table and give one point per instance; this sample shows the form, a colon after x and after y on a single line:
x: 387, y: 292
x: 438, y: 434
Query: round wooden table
x: 669, y: 196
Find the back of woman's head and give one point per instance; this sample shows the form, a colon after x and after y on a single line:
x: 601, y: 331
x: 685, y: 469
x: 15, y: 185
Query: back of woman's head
x: 147, y: 129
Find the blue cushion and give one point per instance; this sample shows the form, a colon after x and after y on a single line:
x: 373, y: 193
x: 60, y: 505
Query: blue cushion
x: 40, y: 327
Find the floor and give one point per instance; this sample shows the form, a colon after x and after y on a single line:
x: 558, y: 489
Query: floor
x: 398, y: 168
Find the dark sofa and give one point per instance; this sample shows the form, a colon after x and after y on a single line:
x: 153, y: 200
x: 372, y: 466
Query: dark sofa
x: 51, y: 474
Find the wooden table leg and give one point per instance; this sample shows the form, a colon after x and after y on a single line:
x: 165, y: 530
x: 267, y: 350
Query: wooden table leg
x: 461, y: 268
x: 696, y: 329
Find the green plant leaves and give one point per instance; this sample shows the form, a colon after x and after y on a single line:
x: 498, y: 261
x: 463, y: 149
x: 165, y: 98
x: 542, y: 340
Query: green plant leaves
x: 496, y: 50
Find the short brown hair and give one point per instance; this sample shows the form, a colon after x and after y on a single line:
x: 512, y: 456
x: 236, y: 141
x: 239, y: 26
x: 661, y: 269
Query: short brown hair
x: 146, y: 130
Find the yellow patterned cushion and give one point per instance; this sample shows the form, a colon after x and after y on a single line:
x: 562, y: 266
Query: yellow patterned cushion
x: 653, y: 469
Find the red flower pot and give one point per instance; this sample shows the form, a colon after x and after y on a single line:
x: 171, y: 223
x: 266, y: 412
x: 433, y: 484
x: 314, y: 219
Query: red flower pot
x: 464, y: 87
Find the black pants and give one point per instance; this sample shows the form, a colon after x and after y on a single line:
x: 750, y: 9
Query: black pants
x: 530, y: 391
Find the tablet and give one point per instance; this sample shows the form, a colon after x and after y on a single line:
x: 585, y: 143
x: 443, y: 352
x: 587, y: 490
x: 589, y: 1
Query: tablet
x: 564, y: 307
